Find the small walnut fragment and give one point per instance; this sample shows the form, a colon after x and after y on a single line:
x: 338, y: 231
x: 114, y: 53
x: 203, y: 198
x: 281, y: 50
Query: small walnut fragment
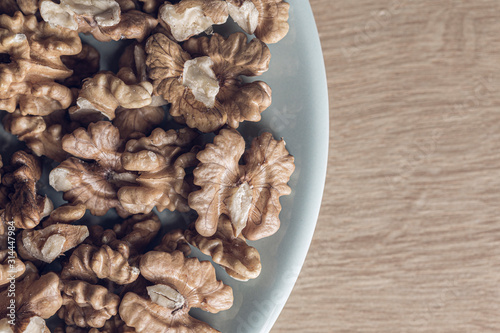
x: 240, y: 260
x: 179, y: 284
x: 93, y: 184
x: 91, y: 263
x: 84, y: 64
x: 267, y: 19
x: 10, y: 266
x: 87, y: 305
x: 49, y: 243
x: 174, y: 241
x: 42, y: 134
x: 113, y: 325
x: 160, y: 161
x: 206, y: 92
x: 35, y: 297
x: 138, y: 231
x: 105, y: 92
x: 31, y: 61
x: 102, y: 18
x: 191, y: 17
x: 248, y: 194
x: 65, y: 214
x: 26, y: 208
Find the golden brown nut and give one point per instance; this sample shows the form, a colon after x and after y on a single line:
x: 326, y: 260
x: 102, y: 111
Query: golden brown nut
x: 87, y: 305
x: 65, y: 214
x: 191, y: 17
x: 102, y: 18
x: 10, y: 7
x: 33, y: 62
x: 26, y: 208
x: 138, y: 231
x: 84, y: 64
x: 161, y: 165
x: 49, y: 243
x: 126, y: 5
x: 105, y: 92
x: 92, y: 184
x: 249, y: 193
x: 179, y: 284
x: 206, y: 92
x: 90, y: 263
x: 240, y: 260
x: 174, y: 241
x: 34, y: 297
x: 27, y: 325
x: 113, y: 325
x: 42, y: 135
x: 10, y: 266
x: 151, y: 6
x: 267, y: 19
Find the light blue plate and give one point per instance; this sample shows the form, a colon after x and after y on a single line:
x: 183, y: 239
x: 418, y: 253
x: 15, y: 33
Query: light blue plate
x: 299, y: 114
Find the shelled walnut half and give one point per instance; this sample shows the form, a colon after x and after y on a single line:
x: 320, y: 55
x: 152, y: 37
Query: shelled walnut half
x: 178, y: 284
x: 202, y: 80
x: 248, y: 194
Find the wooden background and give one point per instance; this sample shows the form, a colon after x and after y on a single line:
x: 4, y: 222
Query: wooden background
x: 408, y: 238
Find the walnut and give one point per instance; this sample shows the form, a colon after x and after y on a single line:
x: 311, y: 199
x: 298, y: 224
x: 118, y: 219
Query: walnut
x: 49, y: 243
x: 139, y: 120
x: 105, y: 92
x: 206, y: 92
x: 174, y: 241
x: 29, y: 325
x: 151, y: 6
x: 90, y: 263
x: 113, y: 325
x: 10, y: 266
x: 84, y: 64
x: 42, y: 135
x: 26, y: 208
x: 93, y: 184
x: 87, y: 305
x: 248, y: 194
x: 31, y: 61
x: 191, y: 17
x: 138, y: 230
x: 240, y: 260
x: 65, y: 214
x: 35, y: 297
x: 10, y: 7
x: 179, y: 284
x: 162, y: 170
x: 102, y: 18
x: 267, y: 19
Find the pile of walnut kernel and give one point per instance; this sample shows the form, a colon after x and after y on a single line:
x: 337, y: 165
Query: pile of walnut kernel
x: 103, y: 131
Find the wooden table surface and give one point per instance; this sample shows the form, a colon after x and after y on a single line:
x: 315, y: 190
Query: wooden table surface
x: 408, y: 238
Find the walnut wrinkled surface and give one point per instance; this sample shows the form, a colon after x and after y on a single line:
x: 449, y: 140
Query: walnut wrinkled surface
x: 87, y: 305
x: 33, y: 50
x: 191, y: 17
x: 218, y: 62
x: 84, y: 64
x: 267, y: 19
x: 49, y: 243
x: 248, y: 194
x: 174, y: 241
x: 160, y: 161
x: 179, y: 284
x: 240, y: 260
x: 25, y: 207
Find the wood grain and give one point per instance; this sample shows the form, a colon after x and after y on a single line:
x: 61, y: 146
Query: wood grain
x: 408, y: 238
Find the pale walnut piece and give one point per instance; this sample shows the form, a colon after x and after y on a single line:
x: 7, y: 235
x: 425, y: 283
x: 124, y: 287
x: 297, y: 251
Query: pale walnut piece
x: 91, y: 263
x: 191, y: 17
x: 101, y: 18
x: 29, y: 325
x: 10, y: 266
x: 43, y: 135
x: 267, y: 19
x: 87, y: 305
x: 31, y: 61
x: 179, y: 284
x: 248, y: 194
x: 174, y: 241
x: 93, y: 184
x: 160, y: 161
x: 105, y: 92
x: 84, y: 64
x: 25, y: 208
x: 49, y: 243
x: 240, y: 260
x: 34, y: 297
x: 190, y: 85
